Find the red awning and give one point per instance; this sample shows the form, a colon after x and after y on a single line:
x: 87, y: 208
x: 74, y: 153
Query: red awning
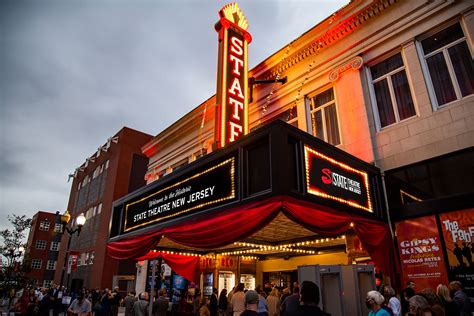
x: 231, y: 225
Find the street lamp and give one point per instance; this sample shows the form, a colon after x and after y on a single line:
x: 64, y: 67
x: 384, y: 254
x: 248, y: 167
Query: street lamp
x: 80, y: 221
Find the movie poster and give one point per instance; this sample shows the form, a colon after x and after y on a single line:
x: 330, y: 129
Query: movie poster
x: 458, y: 232
x: 421, y: 252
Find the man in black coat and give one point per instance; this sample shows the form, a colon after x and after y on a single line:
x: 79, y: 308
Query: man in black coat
x: 309, y: 300
x: 213, y: 303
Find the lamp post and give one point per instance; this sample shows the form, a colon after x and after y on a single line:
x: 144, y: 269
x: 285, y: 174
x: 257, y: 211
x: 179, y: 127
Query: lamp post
x: 80, y: 221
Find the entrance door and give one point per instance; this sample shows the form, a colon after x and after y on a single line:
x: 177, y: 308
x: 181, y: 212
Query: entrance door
x: 226, y: 281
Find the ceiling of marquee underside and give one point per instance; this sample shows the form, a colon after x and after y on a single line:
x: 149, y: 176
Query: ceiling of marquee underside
x: 276, y: 236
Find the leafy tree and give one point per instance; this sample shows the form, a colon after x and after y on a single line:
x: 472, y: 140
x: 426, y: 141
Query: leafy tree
x: 12, y: 273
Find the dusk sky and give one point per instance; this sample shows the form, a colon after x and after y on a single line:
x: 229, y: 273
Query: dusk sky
x: 74, y: 72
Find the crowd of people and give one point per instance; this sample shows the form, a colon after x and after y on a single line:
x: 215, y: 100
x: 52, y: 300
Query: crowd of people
x: 269, y: 300
x: 445, y: 300
x: 55, y: 300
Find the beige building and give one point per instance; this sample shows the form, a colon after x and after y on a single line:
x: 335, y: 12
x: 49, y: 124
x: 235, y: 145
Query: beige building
x: 370, y: 79
x: 390, y: 82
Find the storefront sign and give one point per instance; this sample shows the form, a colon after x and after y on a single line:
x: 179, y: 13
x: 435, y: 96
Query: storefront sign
x: 232, y: 75
x: 211, y: 187
x: 206, y: 263
x: 458, y: 232
x: 72, y: 262
x: 227, y: 262
x: 421, y: 252
x: 337, y: 181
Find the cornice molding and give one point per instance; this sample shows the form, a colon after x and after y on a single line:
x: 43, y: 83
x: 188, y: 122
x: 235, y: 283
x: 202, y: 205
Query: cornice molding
x: 334, y: 34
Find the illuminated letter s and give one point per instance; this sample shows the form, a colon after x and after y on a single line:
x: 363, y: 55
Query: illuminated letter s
x: 327, y: 176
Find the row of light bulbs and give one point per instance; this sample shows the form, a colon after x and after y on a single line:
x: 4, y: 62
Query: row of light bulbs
x: 280, y: 247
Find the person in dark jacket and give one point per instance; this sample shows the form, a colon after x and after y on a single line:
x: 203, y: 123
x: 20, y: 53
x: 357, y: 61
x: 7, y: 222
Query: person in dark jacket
x: 129, y: 300
x: 460, y: 298
x: 213, y: 304
x: 309, y: 300
x: 160, y: 306
x: 223, y: 303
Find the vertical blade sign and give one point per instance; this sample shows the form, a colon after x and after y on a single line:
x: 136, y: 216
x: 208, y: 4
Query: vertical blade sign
x: 232, y: 76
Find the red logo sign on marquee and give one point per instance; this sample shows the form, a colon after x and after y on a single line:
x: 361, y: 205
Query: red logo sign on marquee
x: 232, y: 75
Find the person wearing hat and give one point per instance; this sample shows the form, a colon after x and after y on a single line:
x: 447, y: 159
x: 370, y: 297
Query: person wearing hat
x: 251, y: 303
x: 374, y: 303
x: 80, y: 306
x: 309, y: 300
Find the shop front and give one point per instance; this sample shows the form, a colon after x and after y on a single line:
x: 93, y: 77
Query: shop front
x: 255, y: 211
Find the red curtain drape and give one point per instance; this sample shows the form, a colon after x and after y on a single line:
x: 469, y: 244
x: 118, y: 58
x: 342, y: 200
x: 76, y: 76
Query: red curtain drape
x: 232, y: 225
x: 185, y: 266
x: 375, y: 236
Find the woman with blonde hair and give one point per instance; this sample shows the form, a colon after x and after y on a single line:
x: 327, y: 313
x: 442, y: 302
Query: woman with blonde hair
x: 450, y: 307
x: 273, y: 302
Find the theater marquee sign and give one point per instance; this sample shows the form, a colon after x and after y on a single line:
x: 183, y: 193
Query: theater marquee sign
x: 210, y: 187
x: 331, y: 179
x: 232, y: 76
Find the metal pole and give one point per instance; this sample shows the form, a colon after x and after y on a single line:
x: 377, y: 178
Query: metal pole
x: 152, y: 286
x: 65, y: 260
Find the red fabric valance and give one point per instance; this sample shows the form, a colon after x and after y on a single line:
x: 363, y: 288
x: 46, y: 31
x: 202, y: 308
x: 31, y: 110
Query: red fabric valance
x: 239, y: 223
x: 185, y: 266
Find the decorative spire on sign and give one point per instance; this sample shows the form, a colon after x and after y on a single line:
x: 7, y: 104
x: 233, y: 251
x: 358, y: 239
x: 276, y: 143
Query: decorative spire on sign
x: 233, y: 13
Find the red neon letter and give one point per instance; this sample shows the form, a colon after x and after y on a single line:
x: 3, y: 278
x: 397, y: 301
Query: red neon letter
x: 236, y: 46
x: 235, y: 131
x: 236, y: 86
x: 237, y: 64
x: 237, y: 105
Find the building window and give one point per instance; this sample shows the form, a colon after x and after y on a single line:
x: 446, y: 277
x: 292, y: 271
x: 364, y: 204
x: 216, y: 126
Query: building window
x: 448, y: 65
x: 36, y: 264
x: 180, y: 164
x: 89, y: 213
x: 47, y: 283
x: 96, y: 172
x: 99, y: 209
x: 324, y: 118
x: 58, y: 228
x: 106, y: 165
x: 44, y: 225
x: 55, y: 246
x: 198, y: 154
x: 40, y: 244
x: 51, y: 265
x: 289, y: 116
x: 391, y: 91
x: 86, y: 258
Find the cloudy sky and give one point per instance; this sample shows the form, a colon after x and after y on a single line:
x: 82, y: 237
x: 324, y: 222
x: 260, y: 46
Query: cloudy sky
x: 74, y: 72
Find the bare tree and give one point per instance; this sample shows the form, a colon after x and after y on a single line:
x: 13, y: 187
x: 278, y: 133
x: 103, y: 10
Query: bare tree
x: 12, y: 242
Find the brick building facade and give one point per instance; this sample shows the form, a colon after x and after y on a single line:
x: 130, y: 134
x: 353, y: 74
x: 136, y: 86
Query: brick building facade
x: 44, y: 241
x: 117, y: 168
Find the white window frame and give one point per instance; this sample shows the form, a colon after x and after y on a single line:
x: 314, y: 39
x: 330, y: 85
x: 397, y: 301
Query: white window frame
x: 309, y: 101
x: 47, y: 283
x: 36, y: 263
x: 388, y: 76
x: 58, y: 228
x: 91, y: 257
x: 40, y: 244
x: 449, y: 64
x: 55, y: 245
x: 51, y: 265
x: 44, y: 225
